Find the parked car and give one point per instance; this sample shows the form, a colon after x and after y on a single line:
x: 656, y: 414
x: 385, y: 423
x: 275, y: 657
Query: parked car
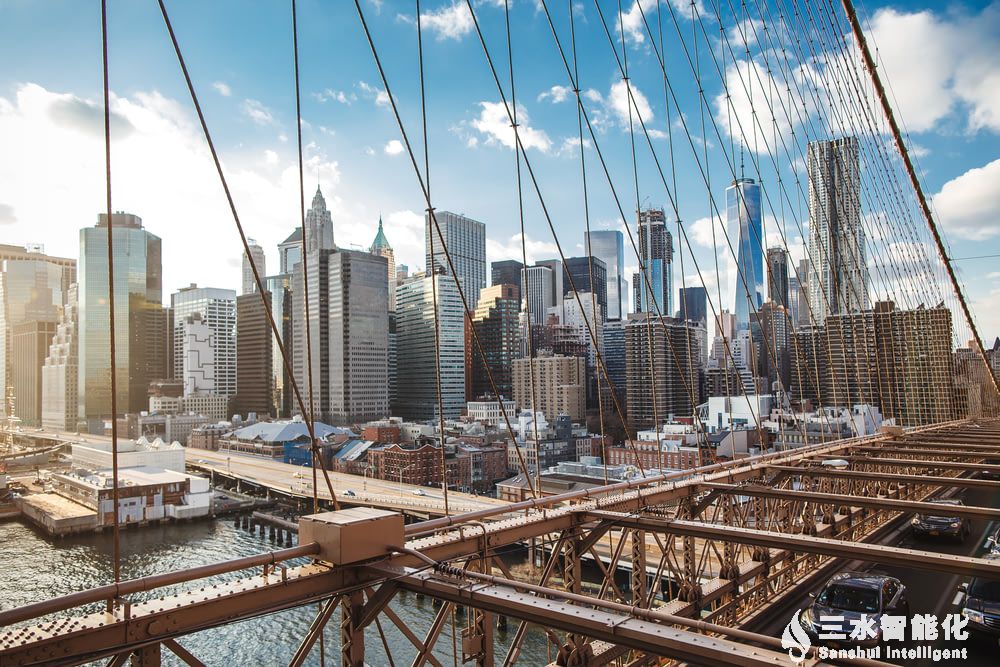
x: 991, y: 474
x: 349, y: 493
x: 419, y: 492
x: 944, y: 524
x: 849, y: 596
x: 982, y: 605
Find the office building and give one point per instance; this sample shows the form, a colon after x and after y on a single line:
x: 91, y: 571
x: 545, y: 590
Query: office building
x: 348, y: 325
x: 249, y: 286
x: 279, y: 287
x: 771, y: 325
x: 380, y: 246
x: 59, y: 371
x: 29, y: 345
x: 217, y: 310
x: 254, y: 361
x: 777, y: 275
x: 558, y: 281
x: 197, y: 351
x: 538, y: 292
x: 838, y: 277
x: 416, y: 379
x: 319, y: 234
x: 465, y: 240
x: 560, y: 385
x: 497, y: 324
x: 138, y: 293
x: 666, y: 385
x: 608, y: 245
x: 743, y: 212
x: 693, y: 306
x: 614, y: 359
x: 578, y: 271
x: 506, y: 272
x: 33, y: 287
x: 656, y: 248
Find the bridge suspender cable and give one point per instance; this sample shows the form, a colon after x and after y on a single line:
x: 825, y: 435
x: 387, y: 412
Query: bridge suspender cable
x: 117, y: 557
x: 866, y: 55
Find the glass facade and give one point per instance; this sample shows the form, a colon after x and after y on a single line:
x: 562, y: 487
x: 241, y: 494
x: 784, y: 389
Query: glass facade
x: 609, y: 246
x: 465, y: 239
x: 743, y: 210
x: 138, y: 286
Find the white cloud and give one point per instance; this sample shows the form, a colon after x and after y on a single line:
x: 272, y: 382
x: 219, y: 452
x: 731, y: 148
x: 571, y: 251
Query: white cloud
x: 329, y: 95
x: 969, y: 205
x: 222, y: 88
x: 448, y: 22
x: 632, y: 21
x: 959, y: 64
x: 270, y: 157
x: 394, y: 147
x: 494, y: 124
x: 752, y: 87
x: 258, y: 113
x: 618, y: 101
x: 369, y: 150
x: 511, y: 249
x: 378, y: 95
x: 161, y: 143
x: 556, y: 93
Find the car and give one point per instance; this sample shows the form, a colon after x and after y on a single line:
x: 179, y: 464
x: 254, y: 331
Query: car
x: 849, y: 596
x: 201, y: 461
x: 350, y: 494
x: 419, y: 492
x: 993, y: 543
x: 982, y: 605
x: 944, y: 524
x: 991, y: 474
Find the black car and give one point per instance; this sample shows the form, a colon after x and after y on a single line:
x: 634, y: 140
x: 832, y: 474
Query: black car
x: 991, y: 474
x: 849, y: 596
x: 993, y: 544
x: 982, y: 605
x: 944, y: 524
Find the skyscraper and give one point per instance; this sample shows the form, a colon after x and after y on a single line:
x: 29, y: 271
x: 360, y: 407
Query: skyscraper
x: 249, y: 286
x: 608, y: 245
x: 348, y: 325
x: 743, y: 211
x: 465, y: 239
x: 279, y: 288
x: 676, y: 361
x: 33, y: 287
x: 580, y: 269
x: 497, y: 324
x: 217, y: 308
x: 416, y: 379
x: 380, y: 246
x: 693, y: 304
x: 319, y: 232
x: 656, y: 248
x: 506, y: 272
x: 29, y: 345
x: 138, y: 291
x: 59, y: 372
x: 536, y: 282
x: 838, y: 275
x: 197, y: 352
x: 558, y: 280
x: 254, y: 360
x: 777, y: 272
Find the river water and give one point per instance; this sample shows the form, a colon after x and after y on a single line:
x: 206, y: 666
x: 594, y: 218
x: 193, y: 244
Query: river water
x: 36, y: 568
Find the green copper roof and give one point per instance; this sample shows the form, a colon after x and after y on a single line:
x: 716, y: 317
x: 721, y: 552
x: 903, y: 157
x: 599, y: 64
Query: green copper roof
x: 380, y: 241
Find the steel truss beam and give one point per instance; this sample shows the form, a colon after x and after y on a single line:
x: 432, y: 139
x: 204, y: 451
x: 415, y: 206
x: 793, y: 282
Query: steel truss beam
x: 913, y: 463
x: 875, y: 553
x: 889, y: 504
x: 892, y: 478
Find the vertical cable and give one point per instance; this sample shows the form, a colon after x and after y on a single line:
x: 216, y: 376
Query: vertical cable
x: 432, y: 268
x: 111, y: 294
x: 305, y: 274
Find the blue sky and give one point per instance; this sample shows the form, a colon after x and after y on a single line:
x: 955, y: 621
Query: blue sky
x: 943, y: 61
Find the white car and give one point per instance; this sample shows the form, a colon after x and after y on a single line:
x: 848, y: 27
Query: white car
x: 419, y: 492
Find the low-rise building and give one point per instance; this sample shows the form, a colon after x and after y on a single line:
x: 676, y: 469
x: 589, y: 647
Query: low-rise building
x: 143, y: 452
x: 490, y: 412
x: 268, y: 439
x: 207, y: 436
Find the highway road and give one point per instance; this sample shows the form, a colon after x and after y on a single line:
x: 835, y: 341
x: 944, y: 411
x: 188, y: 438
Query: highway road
x: 367, y: 491
x: 933, y: 592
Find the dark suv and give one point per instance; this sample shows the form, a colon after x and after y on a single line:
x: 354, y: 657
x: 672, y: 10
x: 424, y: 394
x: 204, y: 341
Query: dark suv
x: 991, y: 474
x: 849, y: 596
x: 943, y: 524
x: 982, y: 605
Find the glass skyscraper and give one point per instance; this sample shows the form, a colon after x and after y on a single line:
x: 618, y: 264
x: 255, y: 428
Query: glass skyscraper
x: 138, y: 289
x: 657, y: 249
x: 609, y: 246
x: 743, y: 210
x: 465, y: 239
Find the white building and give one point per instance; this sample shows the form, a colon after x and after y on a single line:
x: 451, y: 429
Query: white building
x: 59, y: 372
x: 198, y: 356
x: 131, y: 454
x: 217, y: 308
x: 490, y: 413
x: 735, y: 412
x: 249, y: 285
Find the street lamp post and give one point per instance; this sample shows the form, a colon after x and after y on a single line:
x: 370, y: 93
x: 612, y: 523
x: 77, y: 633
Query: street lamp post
x: 401, y: 471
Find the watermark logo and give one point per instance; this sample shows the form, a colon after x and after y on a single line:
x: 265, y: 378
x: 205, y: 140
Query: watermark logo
x: 795, y: 639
